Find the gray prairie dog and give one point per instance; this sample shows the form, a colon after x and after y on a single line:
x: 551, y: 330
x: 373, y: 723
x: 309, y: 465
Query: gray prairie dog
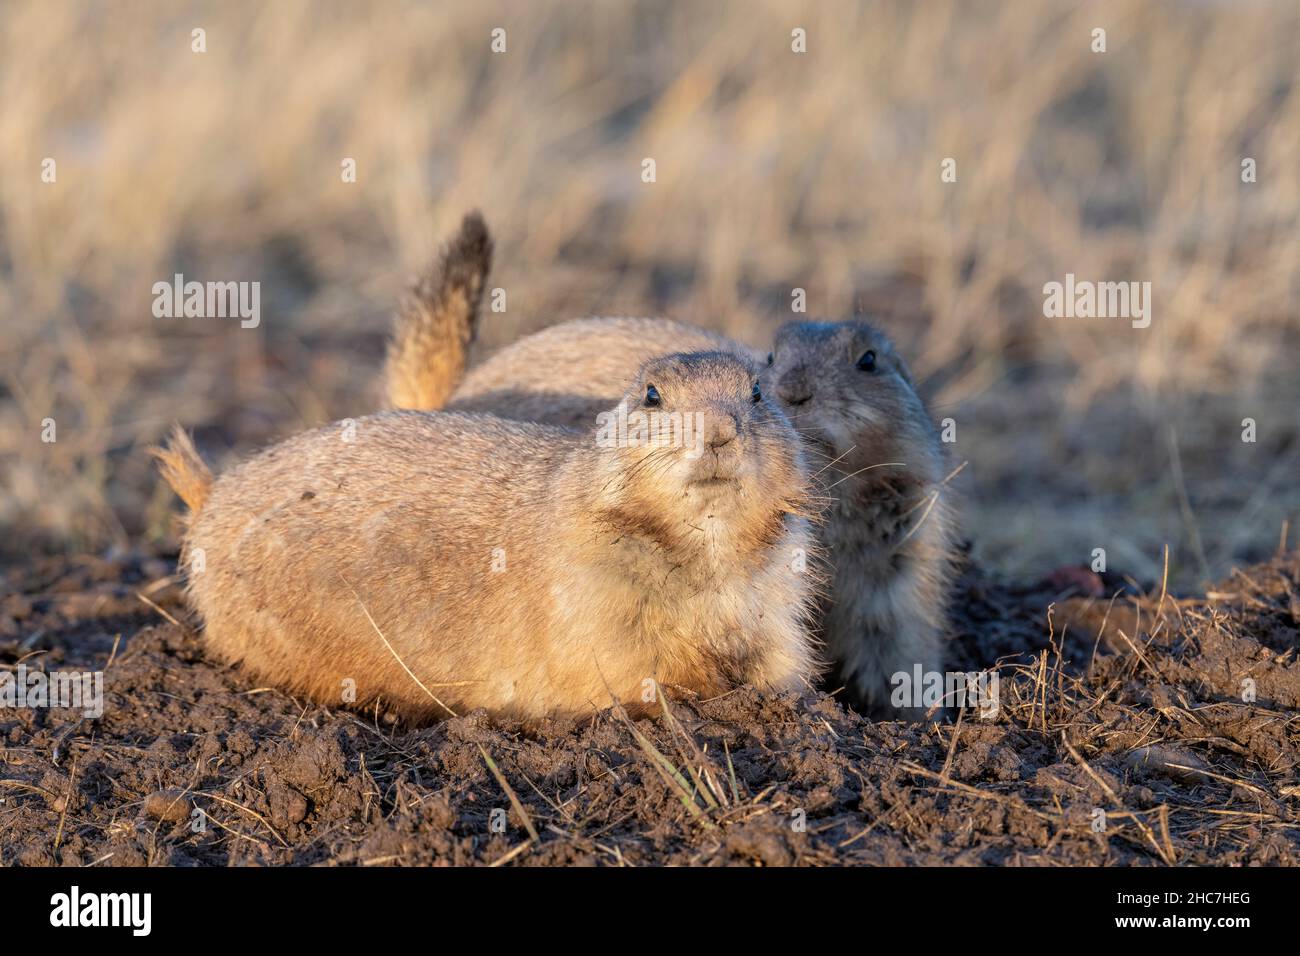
x: 445, y: 562
x: 888, y: 529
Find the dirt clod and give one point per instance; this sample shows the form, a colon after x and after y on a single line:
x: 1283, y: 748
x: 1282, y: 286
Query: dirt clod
x: 170, y: 806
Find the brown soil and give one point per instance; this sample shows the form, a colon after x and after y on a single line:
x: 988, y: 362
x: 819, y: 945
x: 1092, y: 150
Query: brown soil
x: 1133, y: 707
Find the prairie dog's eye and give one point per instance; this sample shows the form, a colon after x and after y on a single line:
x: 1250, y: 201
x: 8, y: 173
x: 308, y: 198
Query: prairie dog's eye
x: 770, y: 357
x: 868, y: 361
x: 756, y: 395
x: 652, y: 398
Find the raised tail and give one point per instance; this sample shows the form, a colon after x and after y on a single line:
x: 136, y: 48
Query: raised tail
x: 438, y: 321
x: 183, y: 469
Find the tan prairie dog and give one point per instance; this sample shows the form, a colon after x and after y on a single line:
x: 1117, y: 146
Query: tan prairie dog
x: 445, y: 562
x: 888, y: 530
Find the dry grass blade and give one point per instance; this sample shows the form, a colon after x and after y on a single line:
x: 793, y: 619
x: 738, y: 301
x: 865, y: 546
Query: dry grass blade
x: 397, y: 657
x: 952, y: 748
x: 158, y: 609
x: 731, y: 773
x: 976, y: 792
x: 664, y: 766
x: 510, y: 794
x: 67, y: 801
x: 704, y: 779
x: 243, y: 809
x: 1166, y: 853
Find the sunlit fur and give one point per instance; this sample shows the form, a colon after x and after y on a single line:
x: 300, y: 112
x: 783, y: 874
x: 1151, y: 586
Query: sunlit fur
x: 437, y: 322
x: 516, y: 567
x: 567, y: 373
x: 887, y: 530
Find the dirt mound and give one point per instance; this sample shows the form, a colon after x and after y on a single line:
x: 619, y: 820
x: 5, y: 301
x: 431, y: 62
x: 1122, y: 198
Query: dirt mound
x: 1126, y: 734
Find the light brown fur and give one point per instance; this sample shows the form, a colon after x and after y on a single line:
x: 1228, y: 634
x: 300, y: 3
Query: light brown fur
x: 181, y: 466
x: 889, y: 527
x: 325, y: 559
x: 567, y: 373
x: 436, y: 325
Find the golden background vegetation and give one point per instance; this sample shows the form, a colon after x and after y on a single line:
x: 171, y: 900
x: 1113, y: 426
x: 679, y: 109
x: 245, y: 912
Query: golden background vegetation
x: 775, y: 170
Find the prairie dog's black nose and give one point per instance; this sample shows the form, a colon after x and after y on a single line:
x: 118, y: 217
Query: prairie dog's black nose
x: 794, y: 388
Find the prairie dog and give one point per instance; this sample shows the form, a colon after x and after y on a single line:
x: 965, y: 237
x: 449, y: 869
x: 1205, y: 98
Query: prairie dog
x: 445, y: 562
x: 888, y: 529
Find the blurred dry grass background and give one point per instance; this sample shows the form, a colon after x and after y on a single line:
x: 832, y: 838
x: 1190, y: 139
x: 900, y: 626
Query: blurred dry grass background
x: 775, y: 170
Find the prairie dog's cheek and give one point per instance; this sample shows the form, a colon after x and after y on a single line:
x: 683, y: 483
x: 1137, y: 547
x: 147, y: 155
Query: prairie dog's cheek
x: 686, y: 470
x: 840, y: 436
x: 870, y: 414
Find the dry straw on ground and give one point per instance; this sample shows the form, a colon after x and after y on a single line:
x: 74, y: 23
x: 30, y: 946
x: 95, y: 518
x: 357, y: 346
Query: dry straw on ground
x: 1123, y: 737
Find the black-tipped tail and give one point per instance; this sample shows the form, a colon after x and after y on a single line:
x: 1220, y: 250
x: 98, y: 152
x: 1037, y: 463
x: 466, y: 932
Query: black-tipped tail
x: 439, y: 320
